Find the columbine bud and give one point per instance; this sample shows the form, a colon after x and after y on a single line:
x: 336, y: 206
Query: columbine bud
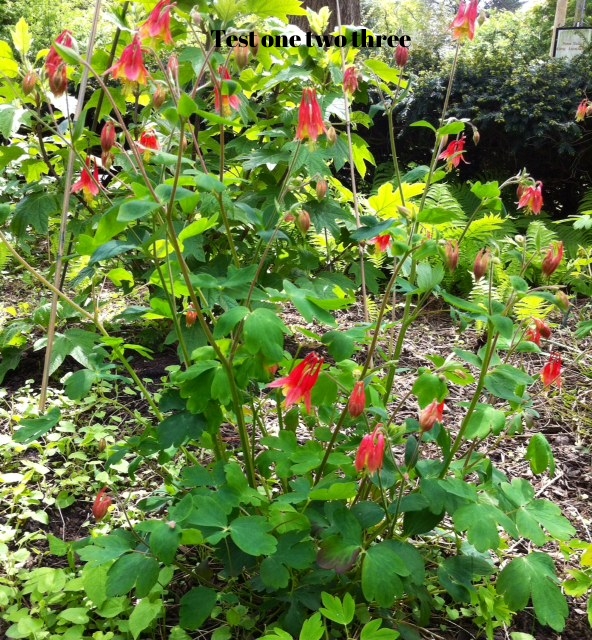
x: 173, y: 70
x: 401, y: 55
x: 430, y: 415
x: 101, y: 504
x: 332, y: 135
x: 102, y: 445
x: 190, y: 317
x: 405, y: 212
x: 553, y: 259
x: 357, y: 400
x: 255, y: 47
x: 562, y: 301
x: 241, y: 56
x: 58, y: 80
x: 107, y: 159
x: 519, y: 239
x: 29, y: 82
x: 451, y: 254
x: 481, y: 263
x: 159, y: 96
x: 321, y: 188
x: 196, y: 16
x: 108, y: 135
x: 476, y: 136
x: 303, y: 221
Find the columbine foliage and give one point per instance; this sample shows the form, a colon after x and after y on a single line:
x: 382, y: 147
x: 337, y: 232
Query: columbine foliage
x: 297, y: 496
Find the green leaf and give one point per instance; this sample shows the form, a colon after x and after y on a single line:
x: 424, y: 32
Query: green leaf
x: 80, y: 383
x: 428, y: 276
x: 337, y: 554
x: 197, y: 227
x: 165, y: 538
x: 533, y: 578
x: 8, y: 65
x: 339, y: 344
x: 373, y: 631
x: 251, y: 535
x: 75, y: 615
x: 111, y: 249
x: 381, y: 573
x: 186, y: 106
x: 196, y: 607
x: 31, y: 429
x: 227, y: 321
x: 481, y: 523
x: 313, y: 628
x: 540, y: 455
x: 503, y: 325
x: 339, y: 611
x: 456, y: 575
x: 180, y: 428
x: 485, y: 420
x: 428, y: 387
x: 362, y: 153
x: 131, y: 210
x: 34, y: 211
x: 264, y: 332
x: 143, y: 615
x: 132, y: 569
x: 385, y: 72
x: 451, y: 129
x: 280, y: 9
x: 423, y: 123
x: 21, y: 37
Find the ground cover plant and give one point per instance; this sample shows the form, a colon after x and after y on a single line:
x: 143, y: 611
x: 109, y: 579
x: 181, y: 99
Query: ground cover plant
x: 292, y: 474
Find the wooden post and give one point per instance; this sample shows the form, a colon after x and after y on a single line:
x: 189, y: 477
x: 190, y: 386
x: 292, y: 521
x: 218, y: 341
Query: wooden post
x: 560, y: 17
x: 580, y: 13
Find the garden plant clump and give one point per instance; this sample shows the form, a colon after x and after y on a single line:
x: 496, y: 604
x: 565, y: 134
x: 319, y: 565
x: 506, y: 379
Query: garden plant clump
x: 293, y: 474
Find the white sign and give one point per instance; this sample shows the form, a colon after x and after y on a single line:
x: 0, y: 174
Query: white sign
x: 571, y: 42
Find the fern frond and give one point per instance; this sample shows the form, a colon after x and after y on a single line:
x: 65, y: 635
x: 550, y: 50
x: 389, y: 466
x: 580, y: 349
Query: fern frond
x: 532, y: 307
x: 4, y: 255
x: 539, y: 237
x: 484, y: 229
x: 439, y: 196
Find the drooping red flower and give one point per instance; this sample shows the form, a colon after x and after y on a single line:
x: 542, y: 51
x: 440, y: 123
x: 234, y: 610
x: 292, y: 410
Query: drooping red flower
x: 433, y: 413
x: 481, y: 263
x: 190, y: 317
x: 149, y: 140
x: 401, y: 55
x: 464, y: 23
x: 584, y: 109
x: 370, y: 455
x: 158, y: 25
x: 532, y: 198
x: 382, y: 242
x: 453, y: 153
x: 350, y: 81
x: 553, y: 259
x: 108, y: 136
x: 357, y: 400
x: 55, y: 67
x: 86, y: 184
x: 130, y: 67
x: 551, y: 372
x: 310, y: 117
x: 451, y: 254
x: 224, y: 104
x: 299, y: 384
x: 540, y: 330
x: 101, y: 504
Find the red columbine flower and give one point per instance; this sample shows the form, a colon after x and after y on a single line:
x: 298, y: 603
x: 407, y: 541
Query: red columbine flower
x: 401, y: 55
x: 108, y: 135
x: 430, y: 415
x: 540, y: 330
x: 350, y: 81
x: 532, y: 198
x: 130, y: 67
x: 453, y: 153
x: 553, y: 258
x: 86, y: 184
x: 102, y: 504
x: 149, y: 142
x: 464, y: 23
x: 55, y: 67
x: 158, y: 24
x: 584, y: 109
x: 299, y: 384
x: 310, y: 117
x: 370, y: 455
x: 451, y: 254
x: 481, y: 264
x: 551, y: 372
x: 224, y: 104
x: 190, y: 317
x: 357, y: 400
x: 382, y: 242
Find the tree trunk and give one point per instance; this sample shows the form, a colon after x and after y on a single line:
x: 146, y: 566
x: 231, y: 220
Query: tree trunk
x: 349, y: 11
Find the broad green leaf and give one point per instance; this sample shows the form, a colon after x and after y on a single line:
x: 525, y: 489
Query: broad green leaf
x: 340, y: 344
x: 264, y: 333
x: 362, y: 154
x: 8, y: 65
x: 503, y: 325
x: 251, y: 535
x: 75, y: 615
x: 387, y: 73
x: 387, y: 200
x: 381, y: 573
x: 112, y: 249
x: 31, y: 429
x: 428, y: 276
x: 373, y: 631
x: 21, y: 37
x: 196, y: 607
x: 228, y: 321
x: 280, y: 9
x: 197, y: 227
x: 80, y: 383
x: 337, y: 610
x: 540, y: 455
x: 33, y: 169
x: 120, y: 275
x: 165, y: 538
x: 186, y: 106
x: 132, y: 569
x: 34, y: 211
x: 423, y: 123
x: 313, y: 628
x: 94, y: 580
x: 131, y: 210
x: 481, y: 523
x: 429, y: 387
x: 179, y: 428
x: 337, y: 554
x: 485, y: 420
x: 143, y: 615
x: 456, y: 575
x: 533, y: 578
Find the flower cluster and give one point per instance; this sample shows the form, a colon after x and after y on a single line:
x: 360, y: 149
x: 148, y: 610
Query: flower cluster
x: 158, y: 24
x: 551, y: 373
x: 299, y: 384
